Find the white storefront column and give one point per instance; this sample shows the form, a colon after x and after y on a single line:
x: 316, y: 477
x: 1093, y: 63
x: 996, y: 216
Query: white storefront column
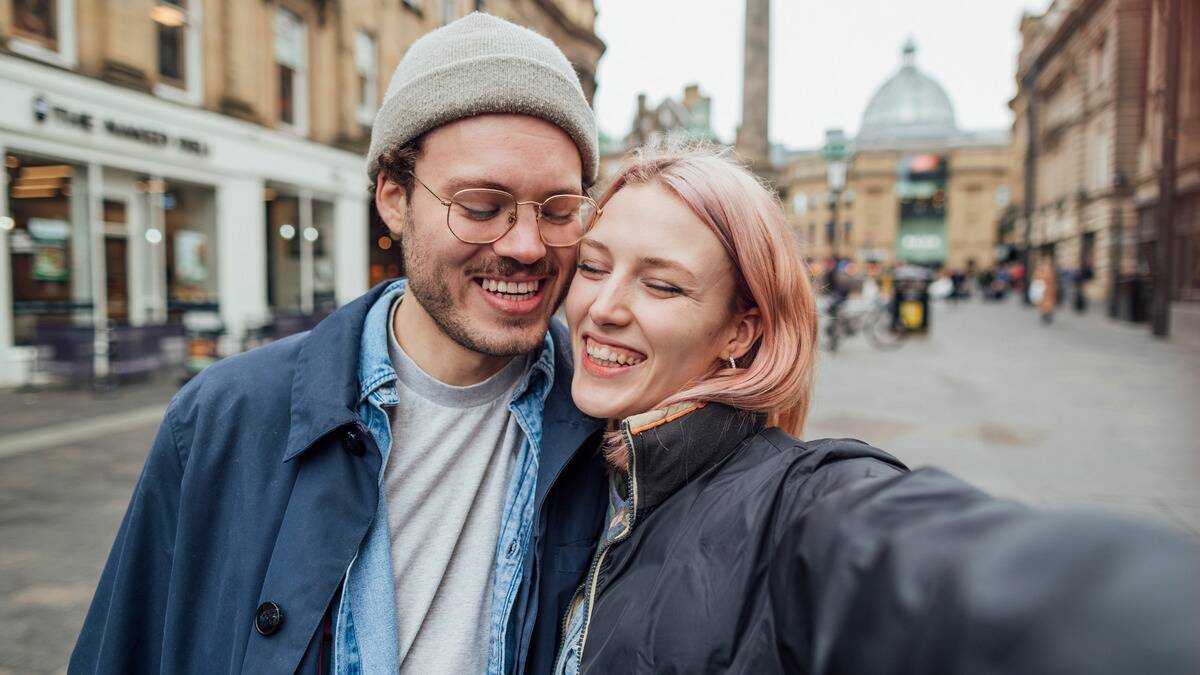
x: 98, y: 276
x: 350, y: 247
x: 307, y: 236
x: 241, y: 255
x: 156, y: 238
x: 9, y: 370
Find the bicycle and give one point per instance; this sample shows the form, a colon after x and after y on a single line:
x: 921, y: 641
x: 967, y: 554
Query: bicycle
x: 843, y: 318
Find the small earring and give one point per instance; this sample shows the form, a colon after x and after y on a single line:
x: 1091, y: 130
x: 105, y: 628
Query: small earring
x: 732, y: 363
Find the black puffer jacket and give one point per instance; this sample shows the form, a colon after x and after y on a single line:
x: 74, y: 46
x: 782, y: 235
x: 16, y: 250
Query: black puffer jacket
x: 752, y: 552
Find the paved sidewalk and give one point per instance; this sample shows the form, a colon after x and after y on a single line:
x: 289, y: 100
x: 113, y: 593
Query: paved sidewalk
x: 1084, y: 412
x: 45, y: 407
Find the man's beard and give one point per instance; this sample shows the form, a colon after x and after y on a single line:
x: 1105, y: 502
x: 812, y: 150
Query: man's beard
x: 429, y: 285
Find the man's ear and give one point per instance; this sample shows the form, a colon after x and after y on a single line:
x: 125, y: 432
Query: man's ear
x: 392, y: 203
x: 746, y: 329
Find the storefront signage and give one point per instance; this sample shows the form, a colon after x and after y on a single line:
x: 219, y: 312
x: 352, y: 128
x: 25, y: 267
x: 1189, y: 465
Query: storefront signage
x: 44, y: 111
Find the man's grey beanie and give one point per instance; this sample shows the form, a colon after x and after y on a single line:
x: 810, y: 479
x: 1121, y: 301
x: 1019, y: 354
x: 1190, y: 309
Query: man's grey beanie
x: 478, y: 65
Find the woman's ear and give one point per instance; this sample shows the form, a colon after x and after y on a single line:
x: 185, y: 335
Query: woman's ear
x: 392, y: 203
x: 746, y: 329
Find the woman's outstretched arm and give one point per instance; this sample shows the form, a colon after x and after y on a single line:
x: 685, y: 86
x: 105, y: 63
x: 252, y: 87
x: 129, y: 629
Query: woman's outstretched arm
x: 923, y: 573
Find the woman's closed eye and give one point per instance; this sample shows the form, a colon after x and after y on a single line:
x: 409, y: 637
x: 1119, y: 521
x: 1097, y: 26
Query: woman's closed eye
x: 589, y: 271
x: 661, y: 287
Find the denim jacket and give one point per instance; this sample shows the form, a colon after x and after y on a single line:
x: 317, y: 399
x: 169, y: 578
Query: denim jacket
x: 365, y: 634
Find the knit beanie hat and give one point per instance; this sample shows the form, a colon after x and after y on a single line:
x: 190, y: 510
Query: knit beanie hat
x: 477, y: 65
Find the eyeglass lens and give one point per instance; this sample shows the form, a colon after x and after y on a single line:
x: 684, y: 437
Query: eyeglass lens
x: 482, y: 216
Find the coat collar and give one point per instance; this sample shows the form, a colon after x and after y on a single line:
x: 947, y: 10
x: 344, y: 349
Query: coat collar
x: 325, y: 381
x: 670, y: 447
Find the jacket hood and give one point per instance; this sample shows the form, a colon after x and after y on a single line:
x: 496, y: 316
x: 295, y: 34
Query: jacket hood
x: 671, y: 446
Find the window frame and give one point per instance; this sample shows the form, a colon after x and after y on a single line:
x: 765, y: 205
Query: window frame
x: 300, y: 121
x: 191, y: 93
x: 64, y: 53
x: 368, y: 100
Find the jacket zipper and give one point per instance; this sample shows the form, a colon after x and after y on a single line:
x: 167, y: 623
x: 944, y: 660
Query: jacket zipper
x: 591, y: 581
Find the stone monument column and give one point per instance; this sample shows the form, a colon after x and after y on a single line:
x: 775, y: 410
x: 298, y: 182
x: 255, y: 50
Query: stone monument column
x: 753, y: 145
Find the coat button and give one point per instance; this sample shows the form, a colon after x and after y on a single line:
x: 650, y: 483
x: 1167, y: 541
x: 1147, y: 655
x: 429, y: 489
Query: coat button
x: 354, y: 441
x: 267, y: 618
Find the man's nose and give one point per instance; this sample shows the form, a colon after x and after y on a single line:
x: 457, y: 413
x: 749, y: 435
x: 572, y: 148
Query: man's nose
x: 523, y: 242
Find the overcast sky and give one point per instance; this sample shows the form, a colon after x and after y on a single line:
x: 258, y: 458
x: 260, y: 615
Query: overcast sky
x: 827, y: 58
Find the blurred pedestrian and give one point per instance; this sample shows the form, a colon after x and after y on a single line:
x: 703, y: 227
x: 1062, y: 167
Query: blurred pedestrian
x: 1044, y: 291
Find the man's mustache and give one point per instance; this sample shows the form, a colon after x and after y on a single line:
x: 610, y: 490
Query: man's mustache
x: 508, y: 267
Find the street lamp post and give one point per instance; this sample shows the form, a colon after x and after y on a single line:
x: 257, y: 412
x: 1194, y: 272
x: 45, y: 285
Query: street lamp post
x: 834, y: 151
x: 832, y: 200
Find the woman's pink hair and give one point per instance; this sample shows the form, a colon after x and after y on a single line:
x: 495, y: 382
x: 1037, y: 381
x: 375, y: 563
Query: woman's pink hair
x: 775, y: 376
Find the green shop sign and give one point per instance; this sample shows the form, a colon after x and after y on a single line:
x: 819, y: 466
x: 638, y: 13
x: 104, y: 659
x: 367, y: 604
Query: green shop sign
x: 922, y: 240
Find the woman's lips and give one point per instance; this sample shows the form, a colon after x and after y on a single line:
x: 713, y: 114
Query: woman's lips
x: 608, y: 360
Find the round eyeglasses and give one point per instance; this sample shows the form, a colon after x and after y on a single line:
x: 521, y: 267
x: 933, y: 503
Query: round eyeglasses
x: 484, y: 215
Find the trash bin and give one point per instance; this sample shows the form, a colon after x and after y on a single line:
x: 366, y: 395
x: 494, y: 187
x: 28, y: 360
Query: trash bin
x: 1133, y: 299
x: 910, y: 305
x: 202, y: 331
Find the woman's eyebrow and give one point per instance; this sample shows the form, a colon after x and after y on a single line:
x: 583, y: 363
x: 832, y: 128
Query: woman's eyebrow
x: 592, y: 243
x: 663, y: 263
x: 653, y: 262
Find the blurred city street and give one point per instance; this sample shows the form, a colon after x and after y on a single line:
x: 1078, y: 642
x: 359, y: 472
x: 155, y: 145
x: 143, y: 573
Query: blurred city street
x: 1086, y: 412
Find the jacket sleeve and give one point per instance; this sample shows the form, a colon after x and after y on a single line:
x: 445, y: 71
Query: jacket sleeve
x: 922, y: 573
x: 124, y: 626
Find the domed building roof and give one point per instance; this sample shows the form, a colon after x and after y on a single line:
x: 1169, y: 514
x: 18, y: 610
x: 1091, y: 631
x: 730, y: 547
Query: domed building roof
x: 909, y: 107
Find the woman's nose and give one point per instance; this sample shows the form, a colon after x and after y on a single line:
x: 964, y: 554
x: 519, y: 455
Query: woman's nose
x: 611, y: 306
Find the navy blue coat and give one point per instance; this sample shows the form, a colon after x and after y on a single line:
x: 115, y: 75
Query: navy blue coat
x: 259, y: 488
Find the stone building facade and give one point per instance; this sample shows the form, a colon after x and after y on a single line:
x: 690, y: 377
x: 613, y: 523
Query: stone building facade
x: 916, y: 187
x: 689, y: 116
x: 1086, y: 140
x: 168, y: 157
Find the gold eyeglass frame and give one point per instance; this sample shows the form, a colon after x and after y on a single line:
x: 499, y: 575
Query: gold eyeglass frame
x: 512, y: 217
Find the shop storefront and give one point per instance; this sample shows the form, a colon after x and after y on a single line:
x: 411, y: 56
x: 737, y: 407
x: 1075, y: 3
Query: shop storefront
x: 124, y: 215
x: 921, y: 188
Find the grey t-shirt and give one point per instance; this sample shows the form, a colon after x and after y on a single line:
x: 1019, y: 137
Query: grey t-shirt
x: 446, y: 479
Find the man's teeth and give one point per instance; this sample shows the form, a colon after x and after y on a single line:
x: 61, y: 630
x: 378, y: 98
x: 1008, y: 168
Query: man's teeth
x: 602, y: 353
x: 514, y: 288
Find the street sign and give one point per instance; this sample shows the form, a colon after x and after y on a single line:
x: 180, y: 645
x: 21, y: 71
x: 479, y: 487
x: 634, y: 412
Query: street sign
x: 836, y: 145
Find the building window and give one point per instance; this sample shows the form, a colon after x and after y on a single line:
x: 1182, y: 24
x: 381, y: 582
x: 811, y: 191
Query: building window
x: 366, y: 64
x: 45, y: 30
x: 37, y: 20
x: 291, y: 65
x: 171, y: 18
x: 179, y: 58
x: 449, y: 11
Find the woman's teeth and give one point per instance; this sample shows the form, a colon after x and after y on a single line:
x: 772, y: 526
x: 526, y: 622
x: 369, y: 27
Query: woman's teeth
x: 611, y: 357
x: 511, y: 290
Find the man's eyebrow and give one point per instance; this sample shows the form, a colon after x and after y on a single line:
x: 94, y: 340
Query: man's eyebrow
x: 466, y: 183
